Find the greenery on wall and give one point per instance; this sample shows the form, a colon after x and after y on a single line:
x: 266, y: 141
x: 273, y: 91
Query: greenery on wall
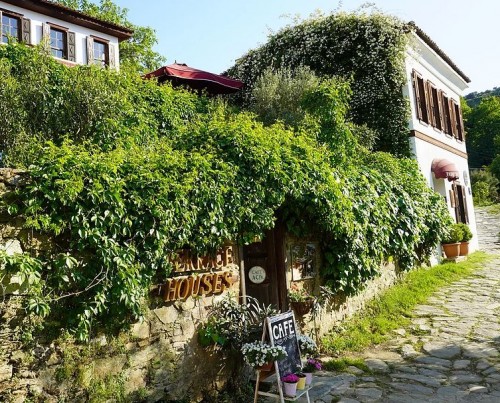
x: 124, y: 172
x: 367, y: 49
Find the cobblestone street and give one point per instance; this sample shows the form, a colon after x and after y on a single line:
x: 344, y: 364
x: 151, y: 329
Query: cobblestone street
x: 450, y: 355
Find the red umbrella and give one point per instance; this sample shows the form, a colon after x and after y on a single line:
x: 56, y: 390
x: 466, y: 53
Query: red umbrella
x: 182, y: 74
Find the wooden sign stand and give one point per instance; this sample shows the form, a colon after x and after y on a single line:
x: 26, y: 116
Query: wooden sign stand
x: 261, y: 375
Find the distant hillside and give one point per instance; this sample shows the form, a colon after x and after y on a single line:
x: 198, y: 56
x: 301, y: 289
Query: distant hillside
x: 474, y: 98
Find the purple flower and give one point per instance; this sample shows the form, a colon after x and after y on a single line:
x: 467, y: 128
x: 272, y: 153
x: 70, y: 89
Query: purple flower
x: 290, y: 378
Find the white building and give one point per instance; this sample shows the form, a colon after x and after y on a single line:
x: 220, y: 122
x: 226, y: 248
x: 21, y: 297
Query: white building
x: 434, y: 85
x: 73, y: 37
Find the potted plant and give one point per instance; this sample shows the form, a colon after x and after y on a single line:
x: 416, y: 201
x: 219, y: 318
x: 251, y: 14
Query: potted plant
x: 300, y: 300
x: 312, y: 365
x: 301, y: 383
x: 466, y: 237
x: 290, y: 384
x: 451, y: 242
x: 261, y: 355
x: 307, y: 345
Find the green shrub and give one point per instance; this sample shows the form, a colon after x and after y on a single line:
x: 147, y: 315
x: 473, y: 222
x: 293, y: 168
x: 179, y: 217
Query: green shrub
x: 455, y: 234
x: 466, y: 232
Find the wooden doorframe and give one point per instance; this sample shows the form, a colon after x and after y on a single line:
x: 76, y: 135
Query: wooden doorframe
x: 280, y: 258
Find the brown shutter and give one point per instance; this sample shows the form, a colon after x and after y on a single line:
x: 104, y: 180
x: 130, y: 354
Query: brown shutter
x: 456, y: 203
x: 441, y: 109
x: 71, y: 47
x: 90, y: 50
x: 416, y: 93
x: 453, y: 119
x: 452, y: 197
x: 26, y: 30
x: 460, y: 122
x: 112, y: 56
x: 426, y: 105
x: 432, y: 112
x: 464, y: 200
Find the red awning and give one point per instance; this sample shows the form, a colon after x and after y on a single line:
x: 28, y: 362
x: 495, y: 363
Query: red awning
x: 444, y: 169
x: 182, y: 74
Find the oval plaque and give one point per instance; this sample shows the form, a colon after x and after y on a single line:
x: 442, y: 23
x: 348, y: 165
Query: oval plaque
x: 257, y: 274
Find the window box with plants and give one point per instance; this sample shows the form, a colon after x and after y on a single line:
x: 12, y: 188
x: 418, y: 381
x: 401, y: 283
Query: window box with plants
x: 451, y: 242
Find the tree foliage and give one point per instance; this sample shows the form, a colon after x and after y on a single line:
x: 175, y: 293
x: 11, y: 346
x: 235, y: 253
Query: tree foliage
x: 483, y: 132
x: 143, y: 170
x: 137, y: 52
x: 368, y: 50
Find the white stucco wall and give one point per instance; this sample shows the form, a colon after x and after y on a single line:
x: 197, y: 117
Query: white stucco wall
x: 431, y: 67
x: 81, y: 33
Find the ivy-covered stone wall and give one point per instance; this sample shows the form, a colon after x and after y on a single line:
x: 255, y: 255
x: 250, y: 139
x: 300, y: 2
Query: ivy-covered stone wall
x: 159, y: 358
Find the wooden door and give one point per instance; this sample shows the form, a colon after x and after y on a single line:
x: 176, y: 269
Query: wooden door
x: 264, y: 255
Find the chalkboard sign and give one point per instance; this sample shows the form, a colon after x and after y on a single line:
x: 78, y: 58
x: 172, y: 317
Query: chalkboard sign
x: 283, y: 332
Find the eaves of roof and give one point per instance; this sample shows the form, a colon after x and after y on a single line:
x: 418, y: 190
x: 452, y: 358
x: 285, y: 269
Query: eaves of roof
x: 76, y: 17
x: 433, y: 45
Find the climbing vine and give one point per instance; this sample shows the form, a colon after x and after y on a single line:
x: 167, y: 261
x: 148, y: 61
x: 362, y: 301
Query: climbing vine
x: 368, y: 49
x: 172, y: 170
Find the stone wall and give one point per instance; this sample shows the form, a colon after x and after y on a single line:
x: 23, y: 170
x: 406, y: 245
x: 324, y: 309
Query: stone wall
x: 159, y: 358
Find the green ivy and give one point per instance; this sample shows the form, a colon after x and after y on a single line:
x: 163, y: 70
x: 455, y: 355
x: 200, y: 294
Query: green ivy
x: 149, y: 170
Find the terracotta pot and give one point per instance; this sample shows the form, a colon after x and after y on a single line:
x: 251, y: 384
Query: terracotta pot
x: 451, y: 249
x: 301, y: 384
x: 290, y: 389
x: 464, y: 248
x: 268, y: 366
x: 309, y: 378
x: 302, y: 307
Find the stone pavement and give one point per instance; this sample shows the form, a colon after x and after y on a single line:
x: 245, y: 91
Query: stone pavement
x: 488, y: 228
x: 450, y: 355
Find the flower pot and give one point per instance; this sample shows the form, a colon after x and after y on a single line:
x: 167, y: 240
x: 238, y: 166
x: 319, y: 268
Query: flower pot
x: 302, y: 307
x: 451, y: 249
x: 301, y: 384
x: 268, y: 366
x: 309, y: 378
x: 290, y: 389
x: 464, y: 248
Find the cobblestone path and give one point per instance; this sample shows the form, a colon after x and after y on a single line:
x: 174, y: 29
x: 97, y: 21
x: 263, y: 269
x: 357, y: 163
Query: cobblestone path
x: 488, y: 228
x: 451, y: 354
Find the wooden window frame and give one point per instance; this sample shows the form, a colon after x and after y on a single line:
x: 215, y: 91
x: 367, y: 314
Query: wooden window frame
x: 458, y: 123
x: 460, y: 205
x: 64, y: 31
x: 15, y: 16
x: 447, y: 114
x: 104, y: 42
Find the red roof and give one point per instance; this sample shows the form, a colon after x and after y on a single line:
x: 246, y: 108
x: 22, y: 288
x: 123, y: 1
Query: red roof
x: 182, y: 74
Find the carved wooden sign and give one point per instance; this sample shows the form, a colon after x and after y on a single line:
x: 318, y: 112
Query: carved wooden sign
x: 214, y: 280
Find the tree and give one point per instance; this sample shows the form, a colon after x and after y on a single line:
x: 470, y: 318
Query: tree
x: 483, y: 128
x: 137, y: 52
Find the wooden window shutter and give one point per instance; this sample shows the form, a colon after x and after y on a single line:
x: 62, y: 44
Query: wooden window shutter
x: 416, y: 93
x: 112, y: 56
x: 464, y: 201
x: 456, y: 203
x: 426, y: 105
x: 452, y: 198
x: 26, y: 30
x: 460, y: 122
x: 432, y: 111
x: 441, y: 110
x: 453, y: 119
x: 90, y: 50
x: 71, y: 47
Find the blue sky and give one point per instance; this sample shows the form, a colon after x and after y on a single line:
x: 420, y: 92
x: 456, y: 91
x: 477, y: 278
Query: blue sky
x: 211, y: 34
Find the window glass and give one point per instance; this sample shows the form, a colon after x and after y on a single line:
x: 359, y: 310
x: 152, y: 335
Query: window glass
x: 10, y: 27
x: 100, y: 53
x: 58, y: 43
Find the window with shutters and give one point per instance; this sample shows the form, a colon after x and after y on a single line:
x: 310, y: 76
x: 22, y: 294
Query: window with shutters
x: 11, y: 27
x: 58, y: 43
x: 459, y: 123
x: 447, y: 116
x: 100, y: 53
